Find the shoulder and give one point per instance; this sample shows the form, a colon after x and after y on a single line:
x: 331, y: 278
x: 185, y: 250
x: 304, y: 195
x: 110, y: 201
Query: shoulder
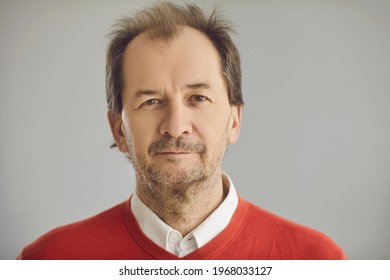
x: 74, y: 240
x: 290, y: 240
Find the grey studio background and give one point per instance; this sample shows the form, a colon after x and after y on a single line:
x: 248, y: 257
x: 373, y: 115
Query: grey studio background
x: 315, y: 139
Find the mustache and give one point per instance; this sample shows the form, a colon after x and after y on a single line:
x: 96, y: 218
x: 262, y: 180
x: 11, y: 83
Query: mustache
x: 179, y: 144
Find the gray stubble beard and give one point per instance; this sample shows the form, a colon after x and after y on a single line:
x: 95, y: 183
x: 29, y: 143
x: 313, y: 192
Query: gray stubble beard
x: 167, y: 191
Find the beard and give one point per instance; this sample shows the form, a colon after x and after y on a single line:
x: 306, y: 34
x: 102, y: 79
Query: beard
x: 176, y: 175
x: 178, y: 182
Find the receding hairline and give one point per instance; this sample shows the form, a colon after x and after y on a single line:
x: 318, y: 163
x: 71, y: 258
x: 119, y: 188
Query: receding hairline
x: 140, y: 41
x: 148, y: 35
x: 162, y: 20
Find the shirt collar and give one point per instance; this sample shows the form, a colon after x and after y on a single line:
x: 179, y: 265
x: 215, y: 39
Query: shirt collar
x: 158, y: 231
x: 220, y: 217
x: 151, y: 225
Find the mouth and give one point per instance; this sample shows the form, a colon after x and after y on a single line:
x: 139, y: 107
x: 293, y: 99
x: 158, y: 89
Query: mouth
x: 176, y: 147
x: 174, y: 153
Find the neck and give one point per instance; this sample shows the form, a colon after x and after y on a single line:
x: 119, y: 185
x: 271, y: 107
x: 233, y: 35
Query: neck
x: 183, y: 207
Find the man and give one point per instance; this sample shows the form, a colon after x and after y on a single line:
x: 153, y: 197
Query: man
x: 174, y: 100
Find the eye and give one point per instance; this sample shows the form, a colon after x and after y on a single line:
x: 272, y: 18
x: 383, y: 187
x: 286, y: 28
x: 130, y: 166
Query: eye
x: 199, y: 98
x: 151, y: 102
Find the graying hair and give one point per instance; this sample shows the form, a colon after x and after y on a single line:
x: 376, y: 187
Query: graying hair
x: 163, y: 21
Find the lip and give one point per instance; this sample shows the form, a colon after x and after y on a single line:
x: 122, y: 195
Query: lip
x: 174, y: 153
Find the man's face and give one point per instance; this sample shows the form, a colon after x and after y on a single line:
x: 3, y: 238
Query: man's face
x: 176, y: 119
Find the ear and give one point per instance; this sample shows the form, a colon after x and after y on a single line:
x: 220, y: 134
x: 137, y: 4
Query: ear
x: 234, y: 130
x: 116, y: 123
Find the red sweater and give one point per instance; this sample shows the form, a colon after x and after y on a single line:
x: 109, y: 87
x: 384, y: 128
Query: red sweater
x: 253, y: 233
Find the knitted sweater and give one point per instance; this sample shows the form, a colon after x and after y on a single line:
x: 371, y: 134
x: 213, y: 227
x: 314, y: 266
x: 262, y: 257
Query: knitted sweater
x: 252, y: 233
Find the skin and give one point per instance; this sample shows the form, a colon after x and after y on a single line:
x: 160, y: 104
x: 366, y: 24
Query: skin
x: 175, y: 125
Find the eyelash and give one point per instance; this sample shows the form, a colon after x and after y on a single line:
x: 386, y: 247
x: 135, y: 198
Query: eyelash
x: 148, y: 102
x: 154, y: 101
x: 204, y: 98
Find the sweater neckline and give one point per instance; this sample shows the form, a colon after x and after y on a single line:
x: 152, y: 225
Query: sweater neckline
x: 204, y: 252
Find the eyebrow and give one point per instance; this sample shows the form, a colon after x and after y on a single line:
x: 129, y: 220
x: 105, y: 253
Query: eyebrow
x: 196, y: 86
x: 141, y: 92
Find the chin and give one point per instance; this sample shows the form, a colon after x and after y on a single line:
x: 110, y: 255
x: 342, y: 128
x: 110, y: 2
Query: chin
x: 176, y: 175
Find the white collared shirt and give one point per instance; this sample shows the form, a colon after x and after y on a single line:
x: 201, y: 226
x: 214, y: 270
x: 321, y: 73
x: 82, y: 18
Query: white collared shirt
x: 172, y: 240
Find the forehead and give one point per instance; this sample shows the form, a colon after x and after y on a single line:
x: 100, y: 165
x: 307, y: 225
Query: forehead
x: 189, y: 54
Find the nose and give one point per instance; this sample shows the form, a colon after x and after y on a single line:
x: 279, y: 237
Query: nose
x: 176, y: 121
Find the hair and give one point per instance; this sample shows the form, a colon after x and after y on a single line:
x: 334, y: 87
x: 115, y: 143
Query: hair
x: 164, y: 21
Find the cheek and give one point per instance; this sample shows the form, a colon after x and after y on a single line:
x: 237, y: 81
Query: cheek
x: 142, y: 131
x: 212, y: 129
